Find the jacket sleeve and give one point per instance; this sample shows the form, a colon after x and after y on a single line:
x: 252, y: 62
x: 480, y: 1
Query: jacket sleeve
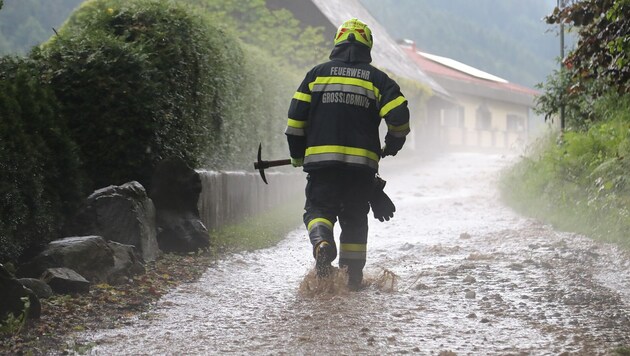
x: 298, y: 117
x: 393, y: 108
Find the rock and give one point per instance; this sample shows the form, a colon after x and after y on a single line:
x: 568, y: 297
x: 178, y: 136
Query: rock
x: 65, y: 281
x: 175, y: 186
x: 469, y: 279
x: 175, y: 190
x: 13, y: 296
x: 90, y: 256
x: 181, y: 232
x: 464, y: 236
x: 471, y: 294
x: 127, y: 262
x: 39, y: 287
x: 124, y: 214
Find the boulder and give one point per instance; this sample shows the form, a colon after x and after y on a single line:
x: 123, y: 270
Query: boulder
x: 90, y: 256
x: 175, y: 190
x: 39, y: 287
x: 12, y: 294
x: 124, y: 214
x: 127, y: 262
x: 64, y: 280
x: 181, y: 232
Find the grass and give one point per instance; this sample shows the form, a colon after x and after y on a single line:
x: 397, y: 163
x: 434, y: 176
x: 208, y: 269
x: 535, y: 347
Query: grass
x: 578, y: 182
x: 258, y: 232
x: 107, y: 306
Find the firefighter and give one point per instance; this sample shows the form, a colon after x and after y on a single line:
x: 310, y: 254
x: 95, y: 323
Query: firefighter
x: 333, y: 133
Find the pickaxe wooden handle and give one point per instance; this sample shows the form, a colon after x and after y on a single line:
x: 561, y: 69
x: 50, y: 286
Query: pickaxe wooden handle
x: 261, y: 165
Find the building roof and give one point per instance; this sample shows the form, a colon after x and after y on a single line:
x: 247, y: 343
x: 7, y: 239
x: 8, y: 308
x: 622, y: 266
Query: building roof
x: 386, y: 53
x: 457, y: 77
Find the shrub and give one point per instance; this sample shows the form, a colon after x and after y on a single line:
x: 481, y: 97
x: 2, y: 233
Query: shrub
x: 581, y: 183
x: 40, y: 182
x: 140, y: 81
x: 143, y: 80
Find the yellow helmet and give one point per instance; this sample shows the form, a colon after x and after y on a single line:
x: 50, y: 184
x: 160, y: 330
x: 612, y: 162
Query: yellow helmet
x: 360, y: 31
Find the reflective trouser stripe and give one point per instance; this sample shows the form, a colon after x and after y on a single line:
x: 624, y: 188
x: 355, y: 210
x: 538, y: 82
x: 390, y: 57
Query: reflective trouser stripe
x: 353, y: 251
x: 319, y: 222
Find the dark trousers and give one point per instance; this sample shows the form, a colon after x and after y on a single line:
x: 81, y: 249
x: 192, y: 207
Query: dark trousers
x: 342, y: 194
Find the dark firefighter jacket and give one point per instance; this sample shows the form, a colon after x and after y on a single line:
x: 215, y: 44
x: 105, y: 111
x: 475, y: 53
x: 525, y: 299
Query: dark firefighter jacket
x: 335, y: 114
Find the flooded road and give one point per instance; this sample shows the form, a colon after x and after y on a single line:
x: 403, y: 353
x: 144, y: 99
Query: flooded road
x: 453, y: 271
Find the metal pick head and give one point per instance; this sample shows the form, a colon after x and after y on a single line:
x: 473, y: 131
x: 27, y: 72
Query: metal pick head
x: 260, y: 164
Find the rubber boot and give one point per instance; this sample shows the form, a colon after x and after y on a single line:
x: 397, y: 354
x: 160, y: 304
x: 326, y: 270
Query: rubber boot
x: 324, y: 253
x: 355, y: 279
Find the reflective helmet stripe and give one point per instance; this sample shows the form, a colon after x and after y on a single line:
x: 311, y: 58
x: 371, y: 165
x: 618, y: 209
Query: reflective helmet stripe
x: 359, y: 29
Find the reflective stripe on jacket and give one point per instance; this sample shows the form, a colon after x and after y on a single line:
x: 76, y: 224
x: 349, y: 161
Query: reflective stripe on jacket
x: 335, y: 114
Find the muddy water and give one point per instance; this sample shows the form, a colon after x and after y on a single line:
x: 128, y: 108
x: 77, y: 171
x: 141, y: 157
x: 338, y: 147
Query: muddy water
x: 454, y: 271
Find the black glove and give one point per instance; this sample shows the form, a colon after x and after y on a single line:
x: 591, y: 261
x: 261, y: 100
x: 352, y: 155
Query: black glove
x: 387, y: 151
x: 382, y: 206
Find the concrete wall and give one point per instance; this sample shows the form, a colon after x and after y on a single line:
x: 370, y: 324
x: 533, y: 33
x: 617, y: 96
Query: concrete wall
x: 228, y: 197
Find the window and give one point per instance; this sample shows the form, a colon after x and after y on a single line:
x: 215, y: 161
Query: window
x: 483, y: 118
x: 515, y: 123
x: 453, y: 117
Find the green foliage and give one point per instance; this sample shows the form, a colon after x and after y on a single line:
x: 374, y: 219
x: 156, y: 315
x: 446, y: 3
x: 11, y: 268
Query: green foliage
x: 580, y: 183
x: 12, y: 325
x: 258, y: 232
x: 140, y: 81
x: 40, y: 181
x: 275, y: 32
x: 603, y: 49
x: 146, y: 79
x: 599, y: 64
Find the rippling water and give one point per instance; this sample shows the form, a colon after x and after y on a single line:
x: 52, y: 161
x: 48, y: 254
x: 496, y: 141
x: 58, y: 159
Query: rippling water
x: 453, y: 271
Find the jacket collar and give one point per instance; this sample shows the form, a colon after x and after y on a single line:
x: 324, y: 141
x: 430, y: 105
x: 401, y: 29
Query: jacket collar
x: 351, y: 53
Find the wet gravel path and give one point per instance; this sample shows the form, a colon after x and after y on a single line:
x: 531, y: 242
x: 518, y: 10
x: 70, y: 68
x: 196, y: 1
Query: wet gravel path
x: 454, y: 271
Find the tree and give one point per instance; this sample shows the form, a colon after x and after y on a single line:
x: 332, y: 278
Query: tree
x: 275, y: 31
x: 597, y: 68
x: 603, y: 49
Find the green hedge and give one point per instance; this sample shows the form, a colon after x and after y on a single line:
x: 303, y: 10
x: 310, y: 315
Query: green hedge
x: 40, y: 182
x: 140, y: 81
x: 144, y: 80
x: 123, y: 85
x: 581, y: 182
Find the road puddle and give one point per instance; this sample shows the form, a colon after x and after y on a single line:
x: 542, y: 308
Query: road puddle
x: 454, y: 271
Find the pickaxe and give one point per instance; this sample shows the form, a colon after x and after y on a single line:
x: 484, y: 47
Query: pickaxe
x: 262, y: 165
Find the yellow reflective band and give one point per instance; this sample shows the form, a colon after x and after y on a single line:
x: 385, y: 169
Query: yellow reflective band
x: 320, y: 220
x: 296, y: 123
x: 353, y: 247
x: 343, y: 150
x: 302, y: 96
x: 392, y: 105
x: 344, y: 80
x: 403, y: 127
